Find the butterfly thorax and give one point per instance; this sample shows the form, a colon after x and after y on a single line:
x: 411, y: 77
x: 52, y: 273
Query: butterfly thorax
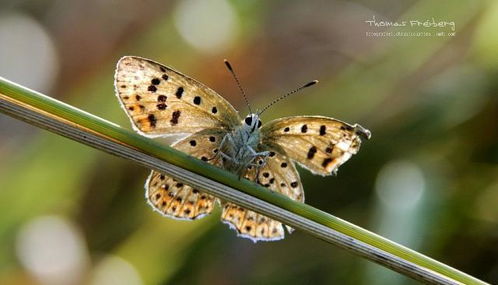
x: 240, y: 145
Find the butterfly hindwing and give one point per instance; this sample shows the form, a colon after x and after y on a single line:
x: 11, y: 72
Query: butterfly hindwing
x: 161, y: 101
x: 250, y: 224
x: 278, y: 174
x: 175, y: 199
x: 320, y: 144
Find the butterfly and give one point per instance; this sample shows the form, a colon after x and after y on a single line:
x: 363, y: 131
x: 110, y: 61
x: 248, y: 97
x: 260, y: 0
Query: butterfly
x: 161, y: 101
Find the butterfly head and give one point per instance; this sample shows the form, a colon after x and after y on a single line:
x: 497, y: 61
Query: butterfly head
x: 252, y: 122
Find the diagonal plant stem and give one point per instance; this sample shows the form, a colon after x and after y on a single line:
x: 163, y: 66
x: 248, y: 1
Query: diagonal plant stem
x: 68, y: 121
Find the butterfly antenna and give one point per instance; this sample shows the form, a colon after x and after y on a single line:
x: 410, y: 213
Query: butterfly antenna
x: 288, y: 94
x: 229, y: 66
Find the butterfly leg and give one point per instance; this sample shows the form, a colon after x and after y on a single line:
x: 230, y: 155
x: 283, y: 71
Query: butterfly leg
x: 226, y: 143
x: 226, y: 156
x: 220, y: 152
x: 262, y: 156
x: 226, y: 151
x: 262, y: 153
x: 226, y: 138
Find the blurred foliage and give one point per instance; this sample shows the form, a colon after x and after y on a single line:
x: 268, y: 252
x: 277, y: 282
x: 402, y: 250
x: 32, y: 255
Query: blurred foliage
x: 430, y: 102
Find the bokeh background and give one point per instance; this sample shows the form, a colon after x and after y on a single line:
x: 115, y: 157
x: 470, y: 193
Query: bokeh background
x: 428, y: 178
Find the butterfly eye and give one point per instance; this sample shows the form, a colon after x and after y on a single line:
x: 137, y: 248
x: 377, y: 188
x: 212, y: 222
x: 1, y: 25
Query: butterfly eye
x: 259, y: 124
x: 248, y: 121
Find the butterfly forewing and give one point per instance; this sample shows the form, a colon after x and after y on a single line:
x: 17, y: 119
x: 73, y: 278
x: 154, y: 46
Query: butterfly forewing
x: 161, y: 101
x: 175, y: 199
x: 320, y: 144
x: 278, y: 174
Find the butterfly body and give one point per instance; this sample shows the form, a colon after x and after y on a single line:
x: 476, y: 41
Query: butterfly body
x: 239, y: 147
x: 162, y: 102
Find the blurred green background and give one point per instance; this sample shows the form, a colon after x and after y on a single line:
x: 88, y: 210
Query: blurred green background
x: 427, y: 179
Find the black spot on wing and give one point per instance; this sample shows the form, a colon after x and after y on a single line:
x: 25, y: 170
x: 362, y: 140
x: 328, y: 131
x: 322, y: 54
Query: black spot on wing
x: 346, y: 128
x: 152, y: 120
x: 304, y: 129
x: 174, y: 117
x: 323, y: 130
x: 311, y: 152
x: 326, y: 162
x: 179, y: 92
